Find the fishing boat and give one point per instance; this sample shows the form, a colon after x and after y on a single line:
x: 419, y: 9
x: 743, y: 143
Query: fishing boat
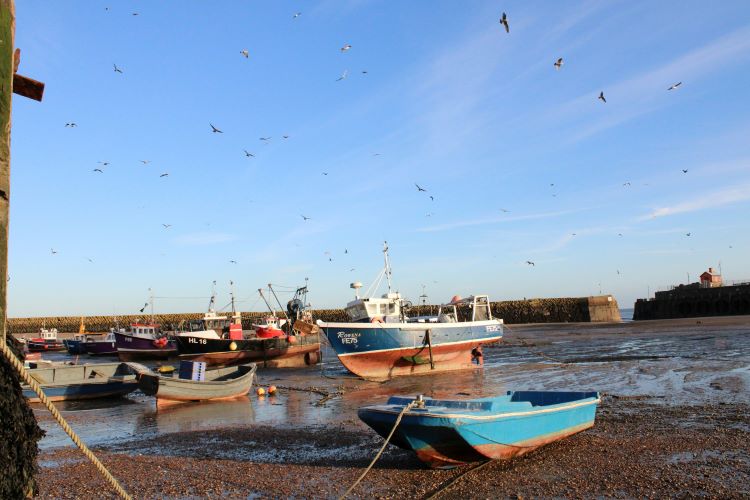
x: 101, y: 347
x: 143, y: 341
x: 446, y: 433
x: 69, y: 382
x: 222, y: 342
x: 219, y: 384
x: 46, y: 341
x: 380, y: 341
x: 75, y: 345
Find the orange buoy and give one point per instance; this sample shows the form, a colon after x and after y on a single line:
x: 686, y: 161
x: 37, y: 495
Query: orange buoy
x: 455, y: 299
x: 272, y: 390
x: 261, y: 391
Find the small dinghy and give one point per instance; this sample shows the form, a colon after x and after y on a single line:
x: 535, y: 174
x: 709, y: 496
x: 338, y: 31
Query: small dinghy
x: 219, y: 384
x: 446, y: 433
x: 72, y: 382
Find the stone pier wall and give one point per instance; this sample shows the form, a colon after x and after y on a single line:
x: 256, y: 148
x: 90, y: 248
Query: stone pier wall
x: 693, y: 302
x: 552, y: 310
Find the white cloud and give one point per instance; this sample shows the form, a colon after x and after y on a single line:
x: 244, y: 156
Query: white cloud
x: 703, y: 201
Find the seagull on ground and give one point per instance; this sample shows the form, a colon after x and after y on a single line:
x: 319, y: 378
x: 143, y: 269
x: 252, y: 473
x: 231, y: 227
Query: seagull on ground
x: 504, y: 22
x: 674, y: 86
x: 214, y: 129
x: 558, y: 64
x: 601, y: 97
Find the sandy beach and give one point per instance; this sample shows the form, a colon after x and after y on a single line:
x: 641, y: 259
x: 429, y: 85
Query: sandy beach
x: 674, y: 421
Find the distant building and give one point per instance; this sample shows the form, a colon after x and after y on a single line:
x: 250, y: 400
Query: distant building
x: 710, y: 279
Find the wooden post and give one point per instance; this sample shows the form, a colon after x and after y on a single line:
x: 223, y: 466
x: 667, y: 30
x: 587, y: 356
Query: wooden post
x: 7, y: 67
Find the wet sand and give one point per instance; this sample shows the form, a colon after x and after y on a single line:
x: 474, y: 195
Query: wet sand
x: 674, y: 421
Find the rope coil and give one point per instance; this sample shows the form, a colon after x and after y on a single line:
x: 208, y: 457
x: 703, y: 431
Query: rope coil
x: 60, y: 420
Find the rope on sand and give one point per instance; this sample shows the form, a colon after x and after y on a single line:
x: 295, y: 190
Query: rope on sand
x: 387, y: 440
x: 456, y: 479
x: 60, y: 420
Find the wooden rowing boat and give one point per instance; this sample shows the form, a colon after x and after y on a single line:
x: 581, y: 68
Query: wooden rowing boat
x: 219, y: 384
x: 72, y: 382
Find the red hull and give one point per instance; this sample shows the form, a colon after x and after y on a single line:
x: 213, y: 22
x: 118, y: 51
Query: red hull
x: 290, y: 357
x: 382, y: 365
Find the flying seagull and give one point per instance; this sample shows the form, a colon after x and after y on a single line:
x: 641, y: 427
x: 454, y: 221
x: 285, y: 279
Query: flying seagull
x: 504, y: 22
x: 90, y: 260
x: 264, y: 139
x: 432, y: 198
x: 601, y: 97
x: 164, y: 175
x: 245, y: 53
x: 214, y: 129
x: 99, y: 170
x: 674, y: 86
x: 504, y: 210
x: 346, y: 47
x: 248, y: 154
x: 343, y: 75
x: 53, y: 251
x: 103, y: 163
x: 71, y: 124
x: 295, y: 16
x: 419, y: 188
x: 305, y: 218
x: 530, y: 263
x: 144, y: 307
x: 167, y: 226
x: 285, y: 137
x: 324, y: 173
x: 626, y: 184
x: 232, y: 261
x: 117, y: 70
x: 688, y: 234
x: 145, y: 162
x: 559, y: 63
x: 684, y: 170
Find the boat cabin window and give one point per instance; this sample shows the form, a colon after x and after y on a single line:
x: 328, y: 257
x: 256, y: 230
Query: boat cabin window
x: 356, y: 311
x: 482, y: 311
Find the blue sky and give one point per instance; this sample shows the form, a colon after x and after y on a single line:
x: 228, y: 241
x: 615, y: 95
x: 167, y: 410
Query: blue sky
x: 479, y: 118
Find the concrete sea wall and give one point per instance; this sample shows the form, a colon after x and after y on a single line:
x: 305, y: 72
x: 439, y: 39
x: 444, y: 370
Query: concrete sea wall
x: 552, y: 310
x: 694, y: 302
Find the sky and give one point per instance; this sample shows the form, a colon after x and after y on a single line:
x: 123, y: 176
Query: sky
x: 520, y: 162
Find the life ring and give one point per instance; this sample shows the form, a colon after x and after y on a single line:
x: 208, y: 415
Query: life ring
x: 376, y: 319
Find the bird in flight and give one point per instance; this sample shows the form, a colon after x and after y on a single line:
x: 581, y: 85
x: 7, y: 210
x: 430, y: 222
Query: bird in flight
x: 295, y: 16
x: 504, y: 22
x: 167, y: 226
x: 285, y: 137
x: 53, y: 251
x: 618, y: 271
x: 352, y: 269
x: 99, y: 170
x: 504, y: 210
x: 419, y: 188
x: 626, y: 184
x: 688, y: 234
x: 684, y: 170
x: 346, y: 47
x: 572, y: 234
x: 145, y: 162
x: 232, y: 261
x: 305, y: 218
x: 264, y: 139
x: 144, y: 307
x: 103, y: 163
x: 530, y: 263
x: 376, y: 154
x: 619, y: 234
x: 674, y: 86
x: 245, y: 53
x: 324, y: 173
x: 248, y: 154
x: 432, y: 198
x: 559, y: 63
x: 117, y: 70
x: 601, y: 97
x: 214, y: 129
x: 346, y: 251
x: 343, y: 75
x: 71, y: 124
x: 364, y: 71
x: 164, y: 174
x: 90, y: 260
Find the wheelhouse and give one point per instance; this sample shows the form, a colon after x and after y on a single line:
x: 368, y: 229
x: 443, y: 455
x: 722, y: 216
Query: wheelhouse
x: 473, y: 308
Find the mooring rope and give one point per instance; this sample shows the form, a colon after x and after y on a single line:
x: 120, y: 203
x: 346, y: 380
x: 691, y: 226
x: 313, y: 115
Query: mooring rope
x: 60, y: 420
x: 456, y: 479
x: 387, y: 440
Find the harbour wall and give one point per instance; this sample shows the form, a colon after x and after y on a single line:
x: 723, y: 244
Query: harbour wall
x: 694, y: 302
x: 551, y: 310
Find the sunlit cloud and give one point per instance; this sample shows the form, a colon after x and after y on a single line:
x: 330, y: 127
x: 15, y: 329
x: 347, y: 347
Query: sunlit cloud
x: 704, y: 201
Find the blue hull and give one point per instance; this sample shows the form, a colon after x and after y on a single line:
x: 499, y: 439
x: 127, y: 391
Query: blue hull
x: 74, y: 346
x: 383, y: 350
x: 448, y: 433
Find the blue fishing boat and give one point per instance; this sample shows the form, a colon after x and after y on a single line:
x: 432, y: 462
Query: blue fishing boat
x: 380, y: 341
x: 71, y: 382
x: 446, y: 433
x: 76, y: 344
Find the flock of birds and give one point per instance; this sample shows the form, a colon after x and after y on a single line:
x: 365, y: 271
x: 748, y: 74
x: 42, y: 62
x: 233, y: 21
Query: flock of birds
x: 504, y: 22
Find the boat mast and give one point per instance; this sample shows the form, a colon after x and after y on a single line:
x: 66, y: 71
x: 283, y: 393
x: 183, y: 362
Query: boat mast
x: 260, y: 291
x: 151, y: 298
x: 277, y: 301
x: 231, y: 294
x: 213, y: 297
x: 387, y: 265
